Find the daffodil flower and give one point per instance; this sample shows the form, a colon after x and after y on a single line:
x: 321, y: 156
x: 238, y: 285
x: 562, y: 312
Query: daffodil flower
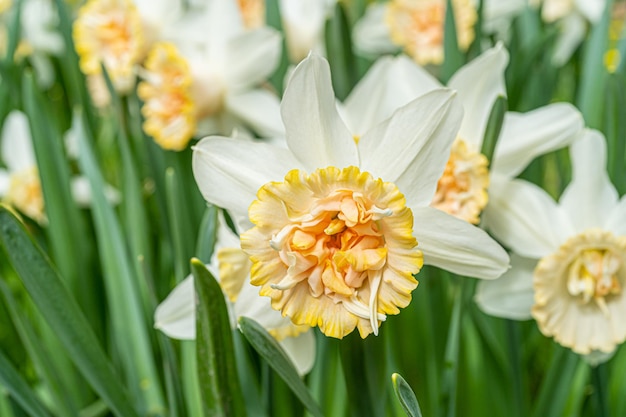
x: 414, y: 26
x: 176, y: 315
x: 463, y: 187
x: 206, y: 78
x: 332, y: 228
x: 303, y: 22
x: 569, y: 258
x: 572, y: 17
x: 20, y: 184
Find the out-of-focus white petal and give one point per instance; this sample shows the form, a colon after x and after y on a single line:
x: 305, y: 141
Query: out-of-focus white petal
x: 229, y: 171
x: 412, y: 147
x: 301, y: 351
x: 591, y: 9
x: 572, y: 32
x: 616, y: 222
x: 478, y: 84
x: 389, y: 84
x: 81, y: 192
x: 176, y: 315
x: 39, y: 19
x: 303, y: 25
x: 457, y: 246
x: 259, y: 109
x: 525, y: 136
x: 5, y: 182
x: 591, y: 197
x: 315, y: 132
x: 252, y: 57
x: 525, y: 218
x: 371, y: 34
x: 17, y: 148
x: 511, y: 296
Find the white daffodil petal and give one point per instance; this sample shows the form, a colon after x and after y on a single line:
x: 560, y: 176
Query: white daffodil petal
x: 315, y: 132
x: 457, y: 246
x: 391, y: 83
x: 252, y: 57
x: 412, y: 147
x: 591, y: 197
x: 301, y: 351
x: 616, y: 222
x: 176, y: 315
x: 230, y: 171
x: 371, y: 34
x: 526, y: 136
x: 259, y: 109
x: 81, y: 192
x: 591, y: 9
x: 478, y: 84
x: 17, y: 148
x: 511, y: 296
x: 572, y: 32
x: 525, y: 218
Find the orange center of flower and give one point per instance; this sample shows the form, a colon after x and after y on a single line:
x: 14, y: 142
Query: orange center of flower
x: 462, y: 189
x: 334, y: 249
x: 418, y: 27
x: 252, y: 12
x: 26, y: 195
x: 109, y: 32
x: 168, y: 106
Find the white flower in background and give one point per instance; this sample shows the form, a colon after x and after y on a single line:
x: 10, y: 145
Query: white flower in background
x: 569, y: 264
x: 463, y: 188
x: 572, y: 16
x: 176, y: 315
x: 20, y: 185
x: 118, y: 33
x: 415, y: 26
x: 206, y: 80
x: 332, y: 227
x: 303, y: 23
x: 39, y: 36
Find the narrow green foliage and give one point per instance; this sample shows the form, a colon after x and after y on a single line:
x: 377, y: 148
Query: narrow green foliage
x: 219, y: 384
x: 62, y: 313
x: 453, y: 57
x: 207, y: 234
x: 406, y: 396
x: 493, y: 128
x: 270, y: 350
x: 555, y: 386
x: 339, y: 51
x: 11, y: 379
x: 272, y: 16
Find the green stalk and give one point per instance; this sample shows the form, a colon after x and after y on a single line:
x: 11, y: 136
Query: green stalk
x: 518, y: 407
x: 599, y: 382
x: 556, y: 384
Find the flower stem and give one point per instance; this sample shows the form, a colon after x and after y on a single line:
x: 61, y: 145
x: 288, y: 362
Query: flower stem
x: 518, y: 406
x: 599, y: 381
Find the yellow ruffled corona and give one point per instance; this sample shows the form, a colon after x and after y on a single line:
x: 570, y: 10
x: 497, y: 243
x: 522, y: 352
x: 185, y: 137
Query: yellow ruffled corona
x: 333, y: 249
x: 168, y: 107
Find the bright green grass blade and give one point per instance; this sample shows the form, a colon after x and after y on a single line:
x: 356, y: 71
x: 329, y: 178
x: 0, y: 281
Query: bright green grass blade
x: 270, y: 350
x: 493, y: 128
x: 453, y: 57
x: 406, y: 396
x: 219, y: 384
x: 47, y: 368
x: 129, y: 323
x: 19, y: 389
x: 62, y: 313
x: 339, y: 52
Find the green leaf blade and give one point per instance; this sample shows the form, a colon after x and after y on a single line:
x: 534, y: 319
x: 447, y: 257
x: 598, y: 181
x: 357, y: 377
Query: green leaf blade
x: 406, y: 396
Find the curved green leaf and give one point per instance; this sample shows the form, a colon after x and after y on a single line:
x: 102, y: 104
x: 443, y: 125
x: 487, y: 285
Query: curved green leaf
x: 19, y: 389
x: 406, y: 396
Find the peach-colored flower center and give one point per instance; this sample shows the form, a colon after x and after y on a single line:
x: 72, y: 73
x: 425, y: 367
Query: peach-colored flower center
x: 462, y: 189
x: 418, y: 26
x: 26, y: 195
x: 333, y: 238
x: 168, y: 106
x: 252, y: 12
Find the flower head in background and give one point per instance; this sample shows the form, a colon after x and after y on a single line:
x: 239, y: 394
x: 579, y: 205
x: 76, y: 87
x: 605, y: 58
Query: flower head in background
x: 175, y: 316
x: 572, y: 18
x: 415, y: 26
x: 569, y: 268
x: 303, y: 24
x: 206, y: 78
x: 333, y: 228
x: 20, y: 185
x: 463, y: 188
